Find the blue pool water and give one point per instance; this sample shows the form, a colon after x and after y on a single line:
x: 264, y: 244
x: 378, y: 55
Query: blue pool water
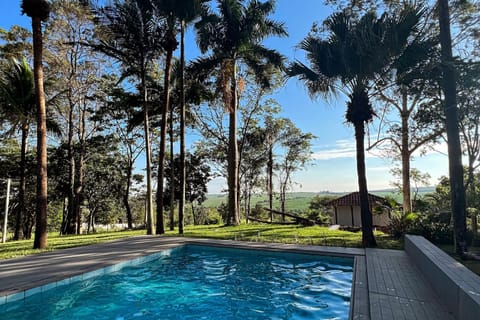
x: 197, y: 282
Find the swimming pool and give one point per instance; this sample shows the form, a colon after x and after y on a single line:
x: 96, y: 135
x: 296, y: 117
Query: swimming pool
x: 199, y: 282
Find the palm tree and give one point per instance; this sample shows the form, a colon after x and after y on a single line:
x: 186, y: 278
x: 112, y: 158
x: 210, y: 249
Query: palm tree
x: 232, y: 35
x: 17, y: 87
x: 39, y: 11
x: 354, y: 54
x: 130, y: 36
x: 176, y: 14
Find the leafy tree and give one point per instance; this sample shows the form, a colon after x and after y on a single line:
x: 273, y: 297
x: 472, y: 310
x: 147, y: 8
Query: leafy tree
x: 274, y: 134
x: 253, y: 158
x: 117, y: 117
x: 16, y: 42
x: 104, y: 181
x: 352, y: 55
x: 76, y: 70
x: 469, y: 125
x: 10, y: 157
x: 297, y: 146
x: 231, y: 35
x: 198, y: 175
x: 411, y: 93
x: 131, y: 36
x: 17, y: 89
x: 39, y: 11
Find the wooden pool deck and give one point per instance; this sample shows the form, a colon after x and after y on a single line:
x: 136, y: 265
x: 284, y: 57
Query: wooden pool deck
x: 387, y: 284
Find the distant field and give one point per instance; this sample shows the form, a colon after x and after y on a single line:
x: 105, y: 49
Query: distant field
x: 296, y: 201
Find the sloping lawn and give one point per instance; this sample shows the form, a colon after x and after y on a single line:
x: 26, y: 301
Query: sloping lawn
x: 315, y: 235
x: 251, y: 232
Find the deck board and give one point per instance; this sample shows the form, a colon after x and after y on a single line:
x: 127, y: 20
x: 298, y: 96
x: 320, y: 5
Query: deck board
x: 398, y: 290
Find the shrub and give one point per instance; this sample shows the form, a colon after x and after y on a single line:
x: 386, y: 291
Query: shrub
x: 399, y: 224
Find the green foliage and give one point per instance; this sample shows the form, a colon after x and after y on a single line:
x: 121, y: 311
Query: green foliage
x: 204, y: 216
x: 400, y: 225
x: 435, y: 227
x: 197, y: 177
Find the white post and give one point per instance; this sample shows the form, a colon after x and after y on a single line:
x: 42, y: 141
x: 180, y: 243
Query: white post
x: 5, y: 220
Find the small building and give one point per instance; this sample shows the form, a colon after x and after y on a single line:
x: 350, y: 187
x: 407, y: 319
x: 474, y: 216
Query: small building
x: 346, y: 210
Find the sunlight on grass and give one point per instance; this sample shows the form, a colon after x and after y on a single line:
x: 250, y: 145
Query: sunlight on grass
x: 13, y: 249
x: 247, y: 232
x: 315, y: 235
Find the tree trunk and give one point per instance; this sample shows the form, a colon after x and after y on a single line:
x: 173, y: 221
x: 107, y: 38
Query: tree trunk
x: 79, y: 196
x: 405, y: 151
x: 195, y: 222
x: 163, y: 137
x: 148, y: 155
x: 283, y: 191
x: 172, y: 175
x: 21, y: 192
x: 40, y: 241
x: 126, y: 196
x: 233, y: 215
x: 249, y: 203
x: 471, y: 178
x: 457, y: 188
x: 270, y: 180
x: 368, y: 240
x: 183, y: 170
x: 69, y: 227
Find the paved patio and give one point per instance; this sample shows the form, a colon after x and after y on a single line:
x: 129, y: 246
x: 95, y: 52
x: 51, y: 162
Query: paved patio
x: 387, y: 285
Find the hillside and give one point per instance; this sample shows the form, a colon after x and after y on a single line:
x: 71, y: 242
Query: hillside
x: 300, y: 200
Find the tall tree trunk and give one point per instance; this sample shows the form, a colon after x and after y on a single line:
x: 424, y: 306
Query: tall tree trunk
x: 163, y: 137
x: 172, y: 175
x: 270, y: 180
x: 457, y: 188
x: 368, y: 240
x: 69, y: 226
x: 407, y: 202
x: 126, y: 196
x: 233, y: 215
x: 471, y: 178
x: 23, y: 184
x: 148, y: 155
x: 283, y: 191
x: 40, y: 241
x: 79, y: 196
x: 195, y: 220
x: 183, y: 169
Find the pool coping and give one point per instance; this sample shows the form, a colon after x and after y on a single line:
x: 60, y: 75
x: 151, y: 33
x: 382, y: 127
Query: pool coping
x: 152, y: 248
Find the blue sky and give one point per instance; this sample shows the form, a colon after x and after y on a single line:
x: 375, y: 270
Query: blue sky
x: 333, y: 167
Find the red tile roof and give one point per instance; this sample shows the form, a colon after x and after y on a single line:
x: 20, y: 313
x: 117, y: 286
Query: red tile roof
x: 353, y: 199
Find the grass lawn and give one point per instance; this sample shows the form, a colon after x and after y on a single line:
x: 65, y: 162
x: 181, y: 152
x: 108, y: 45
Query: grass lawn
x: 251, y: 232
x: 315, y: 235
x: 247, y: 232
x: 13, y: 249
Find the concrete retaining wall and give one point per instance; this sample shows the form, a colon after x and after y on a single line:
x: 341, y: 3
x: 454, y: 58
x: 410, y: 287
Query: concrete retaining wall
x: 457, y: 287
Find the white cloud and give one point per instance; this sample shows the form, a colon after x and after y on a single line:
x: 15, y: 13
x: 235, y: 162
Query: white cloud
x: 341, y: 149
x: 379, y: 169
